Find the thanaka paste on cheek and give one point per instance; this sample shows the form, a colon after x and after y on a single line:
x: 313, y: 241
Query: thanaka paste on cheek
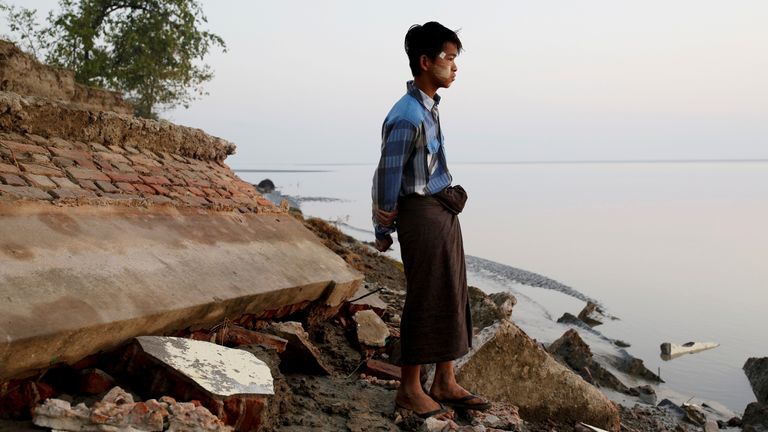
x: 443, y: 72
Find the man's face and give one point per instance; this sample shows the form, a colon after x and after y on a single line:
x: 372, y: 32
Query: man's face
x: 443, y: 68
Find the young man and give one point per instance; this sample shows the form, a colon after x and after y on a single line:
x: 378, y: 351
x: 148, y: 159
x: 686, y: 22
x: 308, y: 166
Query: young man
x: 410, y: 187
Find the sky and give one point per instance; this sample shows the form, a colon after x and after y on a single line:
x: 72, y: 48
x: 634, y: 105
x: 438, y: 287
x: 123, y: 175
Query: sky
x: 311, y: 82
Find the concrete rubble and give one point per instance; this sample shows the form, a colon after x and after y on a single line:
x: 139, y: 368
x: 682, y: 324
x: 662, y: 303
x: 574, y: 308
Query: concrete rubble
x: 118, y: 412
x: 300, y: 353
x: 509, y: 366
x: 371, y: 330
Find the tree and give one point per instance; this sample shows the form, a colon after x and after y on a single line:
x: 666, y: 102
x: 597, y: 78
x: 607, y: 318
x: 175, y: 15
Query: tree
x: 151, y: 50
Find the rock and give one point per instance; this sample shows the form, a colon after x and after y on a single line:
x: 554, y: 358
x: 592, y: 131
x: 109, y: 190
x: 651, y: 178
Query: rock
x: 646, y: 394
x: 501, y: 416
x: 672, y: 407
x: 592, y: 314
x: 576, y: 354
x: 635, y: 367
x: 484, y: 310
x: 621, y: 344
x: 508, y: 366
x: 18, y: 398
x: 505, y: 301
x: 711, y: 426
x: 233, y: 384
x: 756, y: 370
x: 734, y: 422
x: 300, y: 355
x: 364, y: 299
x: 694, y: 414
x: 118, y: 412
x: 371, y: 330
x: 569, y: 318
x: 94, y: 381
x: 755, y: 417
x: 382, y: 370
x: 266, y: 186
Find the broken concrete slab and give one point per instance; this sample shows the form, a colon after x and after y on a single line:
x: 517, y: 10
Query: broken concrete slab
x: 300, y: 355
x: 364, y: 299
x: 756, y: 370
x: 233, y: 385
x: 671, y: 351
x: 102, y: 275
x: 371, y: 329
x: 507, y: 365
x: 218, y: 370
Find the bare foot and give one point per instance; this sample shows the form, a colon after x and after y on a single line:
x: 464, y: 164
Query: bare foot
x: 420, y: 403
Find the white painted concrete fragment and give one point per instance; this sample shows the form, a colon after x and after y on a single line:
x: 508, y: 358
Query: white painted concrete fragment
x: 371, y: 330
x: 219, y: 370
x: 670, y: 351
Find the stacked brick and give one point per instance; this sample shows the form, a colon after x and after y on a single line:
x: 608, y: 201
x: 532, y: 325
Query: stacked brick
x: 57, y: 170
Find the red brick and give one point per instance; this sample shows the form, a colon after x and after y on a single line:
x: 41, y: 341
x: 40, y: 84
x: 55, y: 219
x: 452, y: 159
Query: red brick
x: 195, y: 191
x: 64, y: 182
x: 123, y: 177
x: 41, y: 170
x: 38, y: 180
x: 112, y: 157
x: 63, y: 162
x: 98, y: 147
x: 41, y: 159
x: 70, y: 154
x: 87, y: 174
x: 125, y: 187
x: 86, y: 164
x: 264, y: 202
x: 24, y: 148
x: 12, y: 180
x: 224, y: 202
x: 131, y: 150
x: 88, y: 184
x: 159, y: 199
x: 107, y: 186
x: 25, y: 192
x: 37, y: 139
x: 142, y: 160
x: 158, y: 180
x: 18, y: 400
x: 94, y: 381
x: 382, y: 370
x: 144, y: 189
x: 159, y: 189
x: 6, y: 168
x: 211, y: 193
x: 194, y: 201
x: 71, y: 193
x: 58, y: 142
x: 124, y: 167
x: 116, y: 149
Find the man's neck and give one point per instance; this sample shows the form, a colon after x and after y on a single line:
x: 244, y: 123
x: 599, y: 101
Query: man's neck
x: 423, y: 84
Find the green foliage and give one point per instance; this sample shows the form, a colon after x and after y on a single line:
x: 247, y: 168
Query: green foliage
x: 151, y: 50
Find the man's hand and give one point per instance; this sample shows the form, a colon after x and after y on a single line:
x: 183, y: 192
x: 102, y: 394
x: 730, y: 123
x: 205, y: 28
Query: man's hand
x: 385, y: 218
x: 382, y: 245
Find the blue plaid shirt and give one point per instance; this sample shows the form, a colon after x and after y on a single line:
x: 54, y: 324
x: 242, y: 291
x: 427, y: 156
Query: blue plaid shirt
x: 409, y: 131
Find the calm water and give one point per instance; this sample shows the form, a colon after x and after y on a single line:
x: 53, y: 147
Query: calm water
x: 677, y: 251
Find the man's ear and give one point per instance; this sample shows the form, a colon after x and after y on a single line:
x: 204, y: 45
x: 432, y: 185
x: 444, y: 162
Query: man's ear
x: 424, y: 62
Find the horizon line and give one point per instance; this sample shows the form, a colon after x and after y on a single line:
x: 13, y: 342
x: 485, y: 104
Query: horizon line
x: 532, y: 162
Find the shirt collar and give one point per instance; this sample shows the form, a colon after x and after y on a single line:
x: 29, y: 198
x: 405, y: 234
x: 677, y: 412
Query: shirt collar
x: 428, y: 102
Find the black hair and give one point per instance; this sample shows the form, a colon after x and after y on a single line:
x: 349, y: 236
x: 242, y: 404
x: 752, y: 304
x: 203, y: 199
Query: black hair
x: 427, y: 39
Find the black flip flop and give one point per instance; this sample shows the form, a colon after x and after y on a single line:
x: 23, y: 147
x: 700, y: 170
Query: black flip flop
x: 461, y: 403
x: 428, y: 414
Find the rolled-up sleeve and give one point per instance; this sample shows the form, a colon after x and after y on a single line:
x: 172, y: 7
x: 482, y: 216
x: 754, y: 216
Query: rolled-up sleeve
x: 398, y: 140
